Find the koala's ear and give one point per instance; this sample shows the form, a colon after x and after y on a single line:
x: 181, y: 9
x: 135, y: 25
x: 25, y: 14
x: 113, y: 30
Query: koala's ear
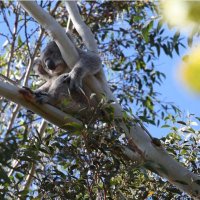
x: 40, y: 70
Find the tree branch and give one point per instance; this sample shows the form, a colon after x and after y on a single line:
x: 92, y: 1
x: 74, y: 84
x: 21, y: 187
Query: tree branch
x: 23, y: 97
x: 81, y: 27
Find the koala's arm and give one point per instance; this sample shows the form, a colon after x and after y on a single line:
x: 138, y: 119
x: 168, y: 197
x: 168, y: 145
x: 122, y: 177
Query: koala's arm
x: 89, y: 61
x: 88, y: 64
x: 40, y: 70
x: 44, y: 88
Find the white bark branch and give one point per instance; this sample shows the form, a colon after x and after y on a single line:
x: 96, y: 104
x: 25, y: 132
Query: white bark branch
x: 132, y: 155
x: 82, y: 29
x: 48, y: 112
x: 159, y: 161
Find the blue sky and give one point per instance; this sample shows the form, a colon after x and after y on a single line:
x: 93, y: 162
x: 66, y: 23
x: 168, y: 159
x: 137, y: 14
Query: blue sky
x: 172, y: 90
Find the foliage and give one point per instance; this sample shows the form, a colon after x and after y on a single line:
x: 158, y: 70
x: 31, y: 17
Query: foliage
x: 73, y: 165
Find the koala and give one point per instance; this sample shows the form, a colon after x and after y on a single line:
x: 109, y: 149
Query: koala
x: 51, y: 64
x: 62, y: 84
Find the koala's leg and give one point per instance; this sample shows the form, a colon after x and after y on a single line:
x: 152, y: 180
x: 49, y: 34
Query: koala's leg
x: 42, y: 97
x: 47, y: 97
x: 74, y: 78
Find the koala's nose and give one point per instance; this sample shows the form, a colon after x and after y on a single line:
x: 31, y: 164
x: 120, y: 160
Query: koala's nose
x: 50, y: 64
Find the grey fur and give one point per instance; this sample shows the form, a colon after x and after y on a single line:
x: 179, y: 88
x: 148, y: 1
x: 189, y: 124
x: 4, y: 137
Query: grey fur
x: 61, y: 83
x: 88, y: 64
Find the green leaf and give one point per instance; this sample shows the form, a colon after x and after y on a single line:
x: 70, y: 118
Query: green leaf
x: 183, y: 152
x: 181, y: 122
x: 165, y: 126
x: 190, y: 41
x: 146, y: 30
x: 74, y: 127
x: 176, y: 48
x: 157, y: 48
x: 19, y: 41
x: 19, y: 176
x: 185, y: 58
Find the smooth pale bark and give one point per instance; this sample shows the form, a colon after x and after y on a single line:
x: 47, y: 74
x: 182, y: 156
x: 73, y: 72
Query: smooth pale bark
x: 159, y: 161
x: 152, y: 153
x: 48, y: 112
x: 81, y: 27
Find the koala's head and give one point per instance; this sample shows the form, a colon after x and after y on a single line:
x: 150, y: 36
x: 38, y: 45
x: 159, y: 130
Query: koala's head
x: 52, y: 59
x: 50, y: 62
x: 51, y: 56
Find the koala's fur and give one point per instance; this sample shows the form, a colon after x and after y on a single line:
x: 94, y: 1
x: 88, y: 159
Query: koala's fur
x: 62, y: 84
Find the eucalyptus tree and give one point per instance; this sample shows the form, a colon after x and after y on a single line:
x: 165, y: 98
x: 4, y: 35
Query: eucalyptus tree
x: 70, y: 159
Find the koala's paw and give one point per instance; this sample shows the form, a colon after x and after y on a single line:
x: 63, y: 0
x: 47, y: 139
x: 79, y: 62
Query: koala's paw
x: 75, y: 83
x: 41, y: 97
x: 28, y: 89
